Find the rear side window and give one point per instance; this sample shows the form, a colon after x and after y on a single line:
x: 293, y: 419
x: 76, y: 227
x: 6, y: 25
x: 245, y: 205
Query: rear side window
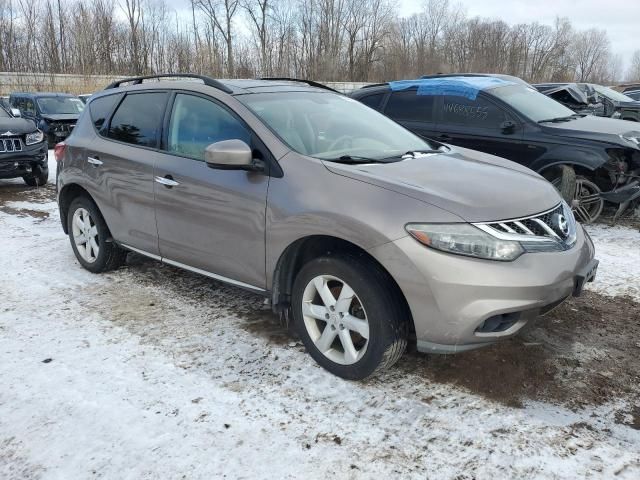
x: 100, y: 109
x: 197, y: 122
x: 373, y: 101
x: 478, y: 113
x: 406, y: 105
x: 138, y: 118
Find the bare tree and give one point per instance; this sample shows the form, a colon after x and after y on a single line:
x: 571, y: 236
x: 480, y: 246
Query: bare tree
x: 633, y: 74
x: 591, y: 48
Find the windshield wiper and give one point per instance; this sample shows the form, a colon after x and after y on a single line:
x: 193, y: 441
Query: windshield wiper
x: 562, y: 119
x: 354, y: 160
x: 417, y: 153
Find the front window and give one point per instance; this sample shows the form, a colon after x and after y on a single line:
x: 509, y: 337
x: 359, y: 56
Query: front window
x: 329, y: 126
x: 530, y: 103
x: 611, y: 94
x: 60, y: 105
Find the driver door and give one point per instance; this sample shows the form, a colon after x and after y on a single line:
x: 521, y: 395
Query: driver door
x: 209, y: 220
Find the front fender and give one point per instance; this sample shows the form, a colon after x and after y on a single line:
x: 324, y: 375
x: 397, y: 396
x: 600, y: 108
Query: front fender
x: 589, y: 158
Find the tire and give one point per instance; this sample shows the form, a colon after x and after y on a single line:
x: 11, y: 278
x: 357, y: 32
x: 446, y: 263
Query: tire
x: 38, y: 178
x: 109, y: 256
x: 565, y: 183
x: 375, y: 301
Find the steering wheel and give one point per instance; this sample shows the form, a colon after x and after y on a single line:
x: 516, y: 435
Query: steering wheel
x: 343, y: 139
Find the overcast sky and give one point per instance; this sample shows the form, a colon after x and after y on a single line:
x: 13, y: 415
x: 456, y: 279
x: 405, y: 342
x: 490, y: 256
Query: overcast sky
x: 620, y: 18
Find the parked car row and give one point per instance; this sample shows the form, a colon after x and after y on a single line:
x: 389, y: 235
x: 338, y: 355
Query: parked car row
x: 593, y: 99
x: 361, y: 233
x: 29, y: 123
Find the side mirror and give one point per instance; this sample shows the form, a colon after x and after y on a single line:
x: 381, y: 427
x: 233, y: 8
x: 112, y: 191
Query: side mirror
x: 508, y: 127
x: 231, y: 155
x: 15, y: 112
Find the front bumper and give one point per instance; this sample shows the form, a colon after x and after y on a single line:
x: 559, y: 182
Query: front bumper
x: 460, y: 303
x: 18, y: 164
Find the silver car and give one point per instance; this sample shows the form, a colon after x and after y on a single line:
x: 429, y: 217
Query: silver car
x: 363, y: 234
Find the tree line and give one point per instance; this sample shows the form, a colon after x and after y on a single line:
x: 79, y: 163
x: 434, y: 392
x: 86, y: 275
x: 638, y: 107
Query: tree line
x: 327, y: 40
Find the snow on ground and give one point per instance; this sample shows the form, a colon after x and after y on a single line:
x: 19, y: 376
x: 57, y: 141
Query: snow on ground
x: 150, y: 372
x: 618, y: 249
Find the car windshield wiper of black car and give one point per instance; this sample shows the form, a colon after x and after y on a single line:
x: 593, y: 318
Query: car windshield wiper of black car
x: 562, y: 119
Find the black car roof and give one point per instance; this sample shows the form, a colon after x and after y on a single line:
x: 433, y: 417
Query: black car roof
x: 469, y: 79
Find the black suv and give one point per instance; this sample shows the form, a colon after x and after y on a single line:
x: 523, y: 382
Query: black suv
x: 509, y: 118
x: 54, y: 113
x: 23, y: 152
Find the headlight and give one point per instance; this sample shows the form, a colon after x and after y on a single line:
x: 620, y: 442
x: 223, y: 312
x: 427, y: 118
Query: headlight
x: 35, y: 137
x: 465, y: 239
x: 616, y: 115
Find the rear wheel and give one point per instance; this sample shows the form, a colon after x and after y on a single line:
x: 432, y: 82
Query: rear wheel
x: 349, y: 316
x: 90, y: 237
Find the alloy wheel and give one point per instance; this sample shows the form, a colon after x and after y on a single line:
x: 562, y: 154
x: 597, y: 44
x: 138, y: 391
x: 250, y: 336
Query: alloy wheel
x: 587, y: 203
x: 85, y: 235
x: 335, y: 319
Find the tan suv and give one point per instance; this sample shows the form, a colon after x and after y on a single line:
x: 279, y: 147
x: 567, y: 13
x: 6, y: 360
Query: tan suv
x: 366, y: 234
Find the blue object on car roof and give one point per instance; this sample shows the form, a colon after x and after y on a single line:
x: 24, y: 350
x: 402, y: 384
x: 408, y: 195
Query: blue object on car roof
x: 458, y: 86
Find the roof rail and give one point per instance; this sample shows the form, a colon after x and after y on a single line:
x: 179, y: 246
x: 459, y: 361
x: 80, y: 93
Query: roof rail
x: 138, y: 80
x: 371, y: 85
x: 311, y: 83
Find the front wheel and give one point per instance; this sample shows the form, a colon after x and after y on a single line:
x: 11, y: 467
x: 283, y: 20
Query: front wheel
x: 349, y: 315
x: 38, y: 178
x: 90, y: 237
x: 586, y: 202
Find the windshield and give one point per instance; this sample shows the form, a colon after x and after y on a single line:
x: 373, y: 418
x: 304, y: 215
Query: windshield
x: 531, y: 103
x: 60, y: 105
x: 3, y: 113
x: 330, y: 126
x: 611, y: 94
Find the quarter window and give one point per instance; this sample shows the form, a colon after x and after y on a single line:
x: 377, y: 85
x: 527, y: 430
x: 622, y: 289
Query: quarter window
x: 197, y: 122
x: 101, y: 107
x: 478, y: 113
x: 137, y: 120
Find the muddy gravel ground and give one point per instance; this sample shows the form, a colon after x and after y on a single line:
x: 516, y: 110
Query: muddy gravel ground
x: 559, y: 401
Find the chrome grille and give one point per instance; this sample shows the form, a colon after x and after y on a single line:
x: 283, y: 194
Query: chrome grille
x: 557, y: 226
x: 541, y: 225
x: 11, y: 144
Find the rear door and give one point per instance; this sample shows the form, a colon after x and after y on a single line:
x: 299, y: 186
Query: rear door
x: 210, y: 220
x: 120, y: 161
x: 479, y: 124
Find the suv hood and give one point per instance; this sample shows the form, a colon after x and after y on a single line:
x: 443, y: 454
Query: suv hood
x: 18, y: 126
x: 474, y: 186
x: 61, y: 116
x: 600, y: 129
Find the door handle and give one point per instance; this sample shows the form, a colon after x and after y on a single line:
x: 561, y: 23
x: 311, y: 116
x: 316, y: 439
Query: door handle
x: 167, y: 181
x: 94, y: 161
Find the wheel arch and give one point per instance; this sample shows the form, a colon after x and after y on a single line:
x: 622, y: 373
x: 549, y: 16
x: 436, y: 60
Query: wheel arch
x: 68, y: 193
x: 313, y: 246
